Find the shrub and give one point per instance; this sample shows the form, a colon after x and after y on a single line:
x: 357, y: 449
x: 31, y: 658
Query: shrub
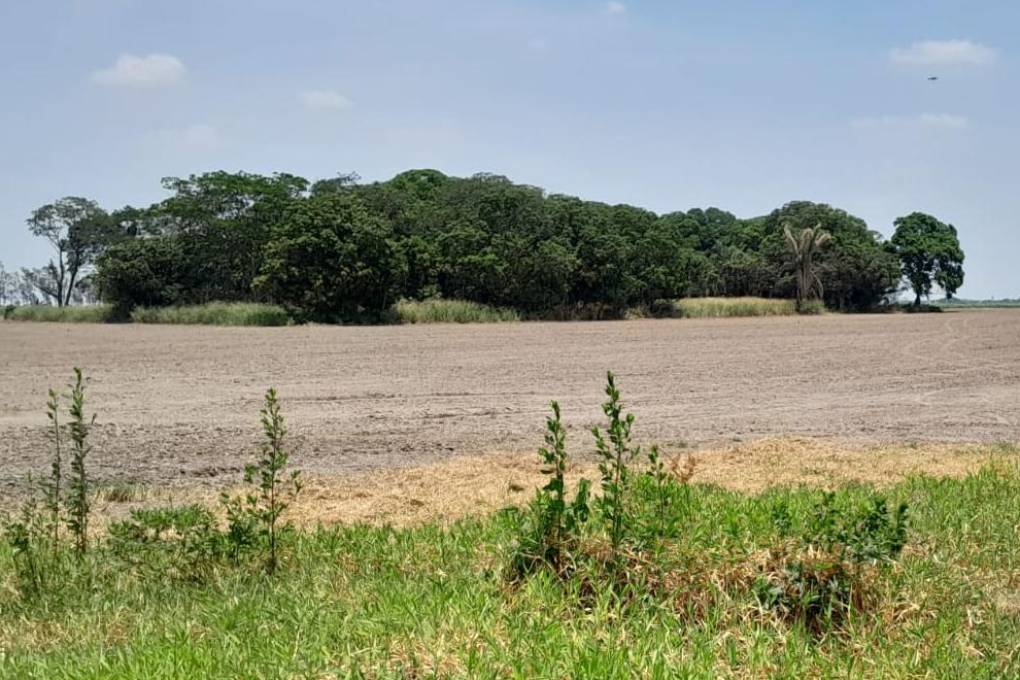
x: 616, y: 454
x: 180, y: 542
x: 260, y: 511
x: 820, y: 577
x: 35, y: 537
x: 214, y: 314
x: 550, y: 529
x: 450, y: 311
x: 78, y: 499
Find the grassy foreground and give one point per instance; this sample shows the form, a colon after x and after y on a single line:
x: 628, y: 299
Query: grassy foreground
x: 377, y: 602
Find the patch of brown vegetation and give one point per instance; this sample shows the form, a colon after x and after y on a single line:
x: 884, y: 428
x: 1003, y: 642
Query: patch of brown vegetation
x: 476, y: 485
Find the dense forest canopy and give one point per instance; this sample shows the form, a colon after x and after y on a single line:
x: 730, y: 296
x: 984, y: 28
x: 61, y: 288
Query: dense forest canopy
x: 338, y: 249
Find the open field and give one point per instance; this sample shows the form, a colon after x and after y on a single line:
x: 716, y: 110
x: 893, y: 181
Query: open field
x: 179, y: 404
x: 416, y: 439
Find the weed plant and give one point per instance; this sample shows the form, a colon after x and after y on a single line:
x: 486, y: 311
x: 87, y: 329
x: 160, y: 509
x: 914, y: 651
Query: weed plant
x: 703, y: 582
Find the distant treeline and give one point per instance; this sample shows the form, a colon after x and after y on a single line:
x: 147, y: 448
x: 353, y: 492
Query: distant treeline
x: 337, y: 249
x: 958, y: 302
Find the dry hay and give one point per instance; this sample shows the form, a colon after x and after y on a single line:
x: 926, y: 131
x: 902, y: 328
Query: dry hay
x: 476, y: 485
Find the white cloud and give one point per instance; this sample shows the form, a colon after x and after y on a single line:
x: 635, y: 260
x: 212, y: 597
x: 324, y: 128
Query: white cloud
x: 925, y: 120
x: 943, y: 53
x: 616, y: 8
x: 152, y: 70
x: 325, y: 100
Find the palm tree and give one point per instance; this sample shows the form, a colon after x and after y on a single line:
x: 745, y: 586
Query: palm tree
x: 803, y: 246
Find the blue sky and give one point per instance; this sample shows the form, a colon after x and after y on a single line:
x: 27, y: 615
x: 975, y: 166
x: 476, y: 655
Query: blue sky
x: 665, y: 105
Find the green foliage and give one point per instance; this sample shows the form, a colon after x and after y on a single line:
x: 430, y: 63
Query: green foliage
x: 819, y: 581
x: 550, y: 528
x: 425, y: 600
x: 804, y: 247
x: 345, y: 252
x: 930, y: 253
x: 856, y: 270
x: 79, y: 491
x: 72, y: 314
x: 615, y: 457
x: 214, y: 314
x: 78, y: 230
x: 144, y: 272
x: 258, y: 514
x: 450, y: 311
x: 29, y: 540
x: 790, y: 582
x: 52, y: 487
x: 331, y: 260
x: 169, y: 542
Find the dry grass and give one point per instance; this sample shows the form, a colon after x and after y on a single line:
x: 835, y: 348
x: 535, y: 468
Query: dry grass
x: 476, y: 485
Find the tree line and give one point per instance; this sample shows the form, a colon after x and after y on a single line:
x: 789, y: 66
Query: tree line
x: 338, y: 249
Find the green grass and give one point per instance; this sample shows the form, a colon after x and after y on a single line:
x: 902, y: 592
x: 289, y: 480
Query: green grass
x: 450, y: 311
x: 73, y: 314
x: 364, y: 602
x: 214, y: 314
x: 698, y: 308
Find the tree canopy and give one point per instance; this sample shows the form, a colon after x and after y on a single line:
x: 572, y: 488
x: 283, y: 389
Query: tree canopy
x: 339, y: 249
x: 930, y: 253
x: 77, y: 229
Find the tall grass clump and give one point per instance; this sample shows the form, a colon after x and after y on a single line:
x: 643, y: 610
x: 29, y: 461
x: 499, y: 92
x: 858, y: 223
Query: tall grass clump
x: 214, y: 314
x: 721, y: 307
x: 450, y: 311
x: 70, y: 314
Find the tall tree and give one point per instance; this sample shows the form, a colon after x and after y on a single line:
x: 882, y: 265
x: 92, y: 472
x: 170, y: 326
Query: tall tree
x: 330, y: 260
x: 77, y: 229
x: 803, y: 246
x: 930, y: 253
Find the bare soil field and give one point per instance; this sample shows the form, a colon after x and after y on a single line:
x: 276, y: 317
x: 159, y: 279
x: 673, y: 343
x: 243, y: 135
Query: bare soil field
x: 179, y: 405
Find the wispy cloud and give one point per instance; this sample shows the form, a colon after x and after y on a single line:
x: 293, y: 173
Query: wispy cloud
x: 614, y: 7
x: 943, y: 53
x: 925, y: 120
x: 151, y: 70
x: 325, y: 100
